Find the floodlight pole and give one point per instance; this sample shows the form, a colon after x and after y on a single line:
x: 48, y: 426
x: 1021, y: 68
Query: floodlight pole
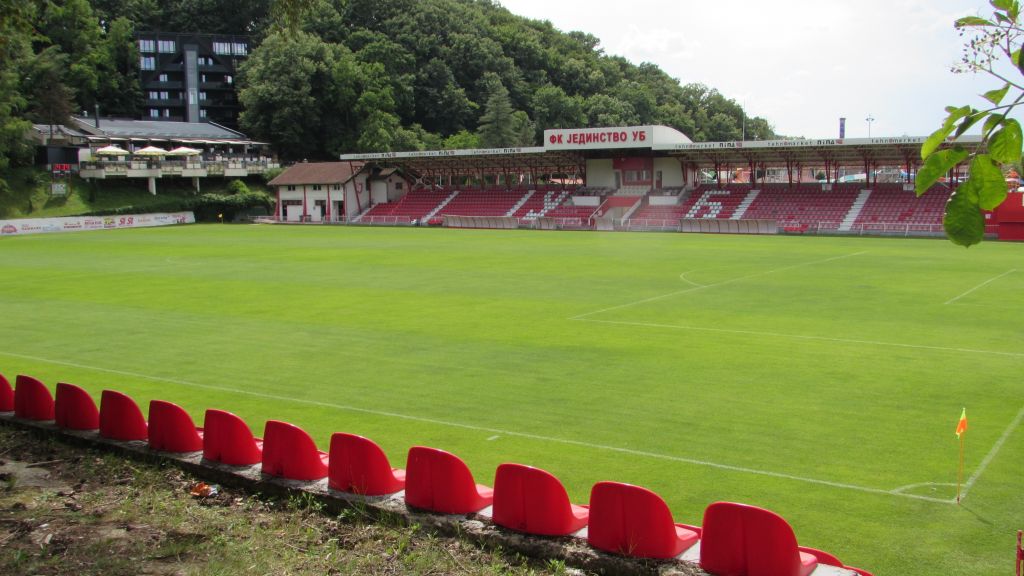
x: 869, y: 120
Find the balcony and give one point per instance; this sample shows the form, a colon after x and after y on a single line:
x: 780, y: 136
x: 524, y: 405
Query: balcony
x: 234, y: 166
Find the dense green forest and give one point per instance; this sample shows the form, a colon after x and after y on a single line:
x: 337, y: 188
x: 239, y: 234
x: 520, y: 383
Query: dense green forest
x: 345, y: 75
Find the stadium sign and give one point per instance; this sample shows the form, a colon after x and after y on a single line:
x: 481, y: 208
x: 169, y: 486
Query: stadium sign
x: 596, y: 138
x: 810, y: 143
x: 443, y: 153
x: 72, y: 224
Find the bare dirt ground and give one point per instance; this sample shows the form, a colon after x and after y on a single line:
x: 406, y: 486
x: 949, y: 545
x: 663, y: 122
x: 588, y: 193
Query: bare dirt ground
x: 74, y: 511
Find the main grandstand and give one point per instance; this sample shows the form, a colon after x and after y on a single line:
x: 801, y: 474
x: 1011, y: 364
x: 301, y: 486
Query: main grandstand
x: 646, y: 178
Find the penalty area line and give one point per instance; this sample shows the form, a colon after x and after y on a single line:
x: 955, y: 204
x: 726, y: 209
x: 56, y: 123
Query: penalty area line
x: 804, y: 337
x: 697, y: 287
x: 498, y: 431
x: 982, y: 285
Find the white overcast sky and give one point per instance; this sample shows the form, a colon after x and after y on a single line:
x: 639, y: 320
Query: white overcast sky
x: 801, y: 64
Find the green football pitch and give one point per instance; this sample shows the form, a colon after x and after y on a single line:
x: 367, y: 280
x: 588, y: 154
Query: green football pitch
x: 821, y: 378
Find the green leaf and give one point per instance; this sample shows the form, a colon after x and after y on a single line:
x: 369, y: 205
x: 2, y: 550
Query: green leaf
x: 972, y: 21
x: 963, y: 222
x: 1001, y: 4
x: 987, y: 179
x: 940, y: 135
x: 969, y: 121
x: 1005, y: 145
x: 990, y: 124
x: 936, y: 166
x: 996, y: 96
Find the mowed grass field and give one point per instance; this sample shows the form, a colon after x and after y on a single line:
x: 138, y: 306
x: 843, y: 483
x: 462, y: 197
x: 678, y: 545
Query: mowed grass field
x: 819, y: 377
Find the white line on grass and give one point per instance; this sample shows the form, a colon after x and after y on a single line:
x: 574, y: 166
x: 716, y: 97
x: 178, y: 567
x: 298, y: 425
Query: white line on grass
x: 805, y: 337
x: 982, y: 285
x: 498, y: 431
x: 688, y: 281
x: 715, y: 285
x: 992, y: 453
x: 903, y: 489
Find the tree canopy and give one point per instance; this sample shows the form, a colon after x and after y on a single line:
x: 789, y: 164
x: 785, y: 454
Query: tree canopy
x: 328, y: 76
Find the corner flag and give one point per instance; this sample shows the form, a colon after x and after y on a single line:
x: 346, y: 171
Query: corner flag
x: 961, y: 426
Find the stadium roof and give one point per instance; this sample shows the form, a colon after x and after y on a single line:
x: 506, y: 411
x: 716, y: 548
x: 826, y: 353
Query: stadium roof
x: 850, y: 151
x: 570, y: 147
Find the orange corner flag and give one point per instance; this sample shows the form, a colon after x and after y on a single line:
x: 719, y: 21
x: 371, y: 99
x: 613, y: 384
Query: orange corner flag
x: 961, y: 426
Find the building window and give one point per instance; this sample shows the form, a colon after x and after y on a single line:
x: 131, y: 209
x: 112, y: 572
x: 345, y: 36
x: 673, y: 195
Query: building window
x: 202, y: 78
x: 154, y: 95
x: 202, y: 112
x: 202, y: 96
x: 316, y: 187
x: 163, y: 78
x: 222, y: 48
x: 165, y: 46
x: 165, y: 96
x: 291, y: 188
x: 336, y: 187
x: 240, y: 48
x: 147, y: 62
x: 147, y: 46
x: 154, y: 113
x: 229, y: 79
x: 167, y: 112
x: 398, y: 185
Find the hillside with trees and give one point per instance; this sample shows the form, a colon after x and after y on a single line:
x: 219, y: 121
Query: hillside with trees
x: 354, y: 75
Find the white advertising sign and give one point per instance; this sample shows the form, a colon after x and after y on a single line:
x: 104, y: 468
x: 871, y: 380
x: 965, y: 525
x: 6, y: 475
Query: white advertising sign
x: 77, y: 223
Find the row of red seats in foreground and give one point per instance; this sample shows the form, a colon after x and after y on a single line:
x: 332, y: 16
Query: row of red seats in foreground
x: 735, y: 539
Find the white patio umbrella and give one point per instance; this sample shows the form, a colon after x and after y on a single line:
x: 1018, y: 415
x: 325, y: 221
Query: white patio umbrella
x: 151, y: 151
x: 111, y: 151
x: 184, y: 151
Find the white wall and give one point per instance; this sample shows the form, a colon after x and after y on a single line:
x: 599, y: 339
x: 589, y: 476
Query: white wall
x: 600, y: 173
x: 671, y: 172
x: 379, y: 191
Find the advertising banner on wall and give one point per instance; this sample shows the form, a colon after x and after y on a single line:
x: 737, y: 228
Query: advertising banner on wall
x: 79, y: 223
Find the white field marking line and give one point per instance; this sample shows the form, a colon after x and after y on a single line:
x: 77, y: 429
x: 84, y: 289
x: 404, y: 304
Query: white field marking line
x: 902, y: 489
x: 493, y: 438
x: 715, y: 285
x: 992, y: 453
x: 688, y: 281
x: 806, y: 337
x: 982, y: 285
x: 498, y: 431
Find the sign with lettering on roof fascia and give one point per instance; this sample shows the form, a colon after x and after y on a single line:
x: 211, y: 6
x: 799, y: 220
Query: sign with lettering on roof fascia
x: 598, y: 138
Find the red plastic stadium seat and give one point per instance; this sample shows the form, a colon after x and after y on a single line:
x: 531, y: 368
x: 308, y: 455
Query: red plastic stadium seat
x: 171, y: 429
x: 441, y: 482
x: 6, y: 395
x: 742, y: 540
x: 74, y: 409
x: 822, y: 556
x: 532, y: 500
x: 634, y: 521
x: 358, y: 465
x: 32, y: 400
x: 290, y: 453
x: 227, y: 439
x: 120, y: 417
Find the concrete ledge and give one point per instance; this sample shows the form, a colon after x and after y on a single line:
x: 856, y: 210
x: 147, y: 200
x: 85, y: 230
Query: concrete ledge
x: 478, y: 528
